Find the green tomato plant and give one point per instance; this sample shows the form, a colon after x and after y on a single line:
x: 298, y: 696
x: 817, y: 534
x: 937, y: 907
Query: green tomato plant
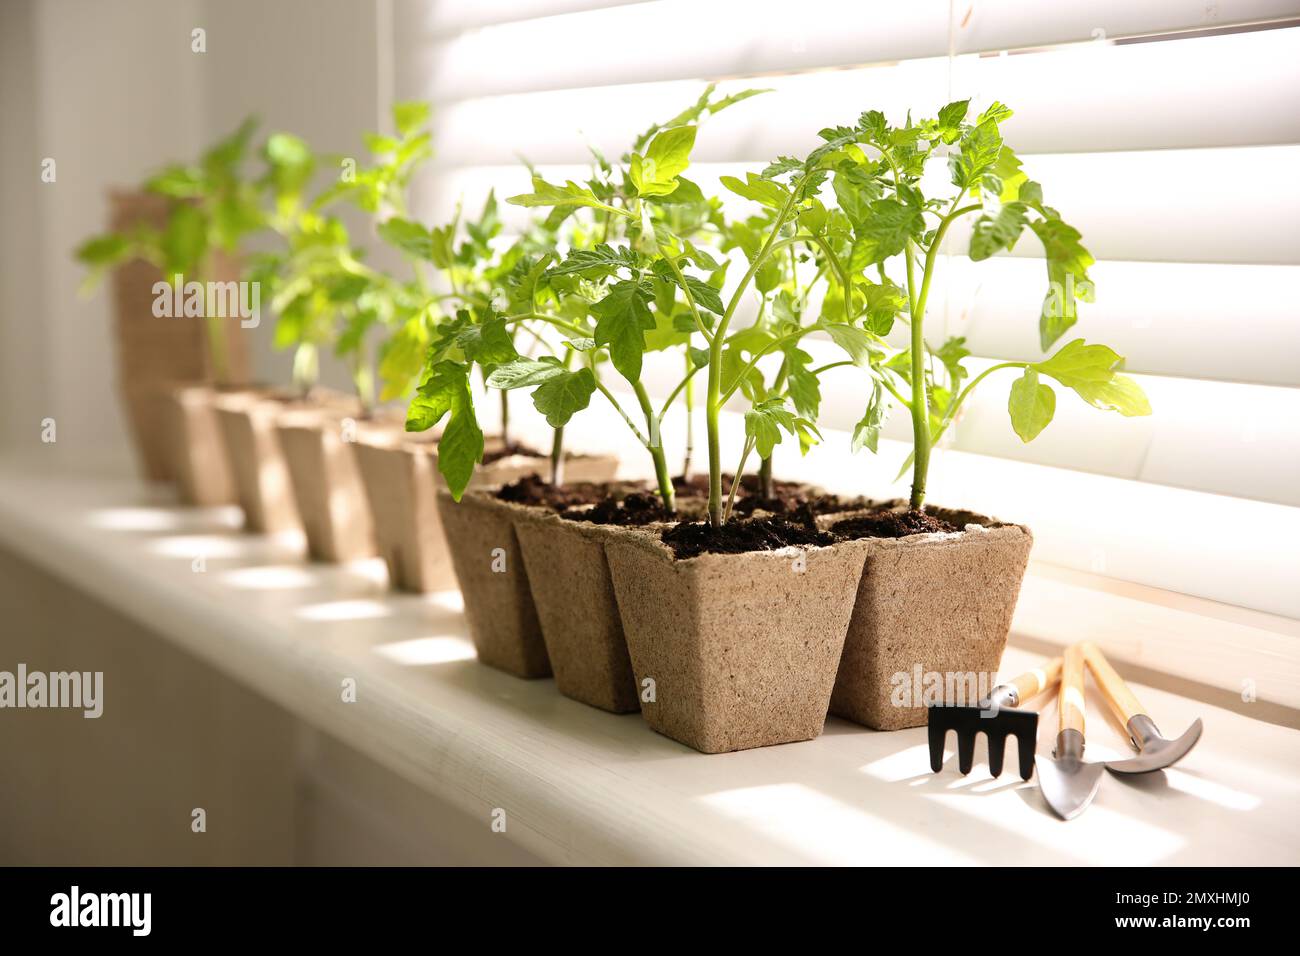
x: 326, y: 294
x: 627, y: 284
x: 212, y: 206
x: 876, y: 171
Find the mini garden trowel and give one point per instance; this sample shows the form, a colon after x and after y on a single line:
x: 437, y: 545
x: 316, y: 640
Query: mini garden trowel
x: 996, y: 719
x: 1067, y: 781
x: 1155, y: 752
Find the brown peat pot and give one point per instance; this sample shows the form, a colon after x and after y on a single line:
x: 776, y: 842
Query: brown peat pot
x: 156, y: 352
x: 734, y: 651
x: 401, y: 478
x: 248, y: 421
x: 929, y: 604
x: 484, y: 549
x: 577, y: 611
x: 318, y: 447
x: 201, y: 466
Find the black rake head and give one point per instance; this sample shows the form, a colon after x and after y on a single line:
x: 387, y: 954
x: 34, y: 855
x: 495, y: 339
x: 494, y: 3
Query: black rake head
x: 996, y: 726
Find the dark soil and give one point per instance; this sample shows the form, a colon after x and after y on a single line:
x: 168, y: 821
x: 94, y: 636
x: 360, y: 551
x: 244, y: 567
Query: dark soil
x: 534, y: 490
x: 792, y: 498
x: 891, y: 524
x: 496, y: 453
x: 691, y: 539
x: 633, y: 510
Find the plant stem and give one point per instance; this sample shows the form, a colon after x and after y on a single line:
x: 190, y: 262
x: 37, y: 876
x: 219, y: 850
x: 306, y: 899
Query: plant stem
x: 738, y: 478
x: 505, y: 419
x: 557, y: 442
x: 920, y: 415
x: 765, y: 478
x: 713, y: 404
x: 689, y: 398
x: 656, y: 449
x: 921, y: 438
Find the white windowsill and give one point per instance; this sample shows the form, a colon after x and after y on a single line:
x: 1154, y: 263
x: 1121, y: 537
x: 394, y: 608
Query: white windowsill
x: 582, y: 786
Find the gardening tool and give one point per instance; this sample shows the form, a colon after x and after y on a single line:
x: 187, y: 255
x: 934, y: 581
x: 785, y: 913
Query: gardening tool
x: 1067, y: 781
x: 1155, y: 752
x: 997, y: 720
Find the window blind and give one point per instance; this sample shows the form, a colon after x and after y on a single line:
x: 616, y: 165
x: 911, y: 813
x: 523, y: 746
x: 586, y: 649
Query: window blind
x: 1166, y: 131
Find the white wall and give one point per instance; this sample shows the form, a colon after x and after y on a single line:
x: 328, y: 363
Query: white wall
x: 111, y: 89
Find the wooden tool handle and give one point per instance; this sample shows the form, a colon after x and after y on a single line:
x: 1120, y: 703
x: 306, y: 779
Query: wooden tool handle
x: 1070, y: 703
x: 1032, y: 683
x: 1121, y: 700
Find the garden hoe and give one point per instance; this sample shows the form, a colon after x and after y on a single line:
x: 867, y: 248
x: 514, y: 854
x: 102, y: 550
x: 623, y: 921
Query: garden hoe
x: 1155, y: 752
x: 1067, y: 781
x: 995, y: 718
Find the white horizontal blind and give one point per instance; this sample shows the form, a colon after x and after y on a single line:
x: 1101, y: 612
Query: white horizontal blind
x: 1166, y: 131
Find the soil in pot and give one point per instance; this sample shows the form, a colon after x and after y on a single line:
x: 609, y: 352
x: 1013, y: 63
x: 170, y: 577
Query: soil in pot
x: 933, y: 609
x: 737, y: 646
x: 795, y: 499
x: 569, y: 579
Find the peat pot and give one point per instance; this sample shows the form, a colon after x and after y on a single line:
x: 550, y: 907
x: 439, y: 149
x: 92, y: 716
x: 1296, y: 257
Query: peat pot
x: 929, y: 604
x: 248, y: 430
x: 317, y: 445
x: 200, y: 464
x: 573, y: 593
x: 741, y: 649
x: 400, y: 473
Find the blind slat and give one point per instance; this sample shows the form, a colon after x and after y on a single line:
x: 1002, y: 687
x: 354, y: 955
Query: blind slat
x: 1064, y: 101
x: 1237, y: 323
x: 680, y: 39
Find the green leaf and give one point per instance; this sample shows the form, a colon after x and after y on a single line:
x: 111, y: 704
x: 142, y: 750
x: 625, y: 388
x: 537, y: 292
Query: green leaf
x: 570, y: 194
x: 858, y: 343
x: 866, y: 433
x: 993, y: 234
x: 887, y: 228
x: 1078, y: 363
x: 1121, y: 394
x: 560, y: 396
x: 1005, y: 179
x: 951, y: 118
x: 855, y: 190
x: 436, y: 396
x: 758, y: 189
x: 410, y: 116
x: 685, y: 192
x: 1031, y: 405
x: 104, y: 251
x: 951, y: 354
x: 884, y: 301
x: 705, y: 295
x: 523, y: 372
x: 980, y: 148
x: 763, y: 423
x: 1067, y: 277
x: 401, y: 359
x: 804, y: 388
x: 597, y: 263
x: 291, y: 162
x: 446, y: 390
x: 668, y: 155
x: 461, y: 447
x: 622, y: 319
x: 410, y: 237
x: 184, y: 241
x: 488, y: 343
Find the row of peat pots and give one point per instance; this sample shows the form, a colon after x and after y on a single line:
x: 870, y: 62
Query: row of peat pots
x: 592, y: 585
